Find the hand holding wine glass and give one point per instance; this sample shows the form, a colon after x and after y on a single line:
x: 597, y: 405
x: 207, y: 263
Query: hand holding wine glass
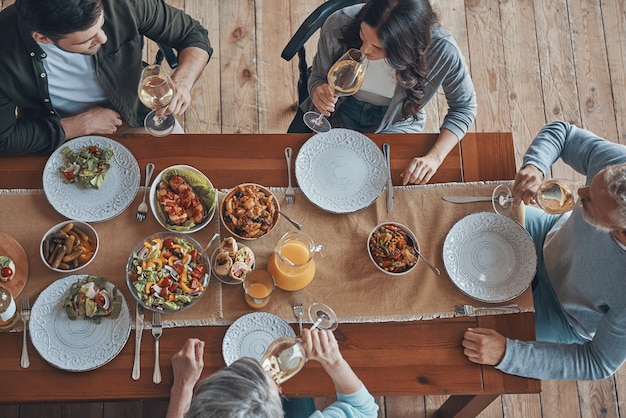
x: 156, y: 91
x: 345, y: 78
x: 554, y: 196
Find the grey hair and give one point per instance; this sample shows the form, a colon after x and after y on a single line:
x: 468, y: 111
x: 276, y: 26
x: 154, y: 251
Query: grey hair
x: 616, y: 180
x: 240, y: 390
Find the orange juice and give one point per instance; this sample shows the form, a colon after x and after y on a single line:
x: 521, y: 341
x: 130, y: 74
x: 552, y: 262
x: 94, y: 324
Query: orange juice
x: 257, y: 295
x: 289, y: 277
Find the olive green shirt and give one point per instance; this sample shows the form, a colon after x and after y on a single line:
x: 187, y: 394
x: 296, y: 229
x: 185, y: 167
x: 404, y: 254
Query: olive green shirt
x: 28, y: 121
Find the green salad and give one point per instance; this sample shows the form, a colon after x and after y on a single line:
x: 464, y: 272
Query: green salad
x: 86, y: 166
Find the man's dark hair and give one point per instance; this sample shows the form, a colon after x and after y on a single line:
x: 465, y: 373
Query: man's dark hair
x: 58, y: 18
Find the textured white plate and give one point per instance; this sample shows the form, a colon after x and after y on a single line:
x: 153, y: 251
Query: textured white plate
x: 160, y: 217
x: 89, y: 205
x: 78, y: 345
x: 251, y: 334
x: 341, y: 171
x: 490, y: 257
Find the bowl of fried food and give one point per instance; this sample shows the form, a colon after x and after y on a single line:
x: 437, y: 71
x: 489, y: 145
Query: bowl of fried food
x: 390, y: 246
x: 182, y: 199
x: 249, y: 211
x: 69, y: 246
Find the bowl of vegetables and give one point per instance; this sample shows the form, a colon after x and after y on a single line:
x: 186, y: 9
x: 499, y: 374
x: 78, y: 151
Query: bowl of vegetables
x: 167, y: 272
x: 391, y: 248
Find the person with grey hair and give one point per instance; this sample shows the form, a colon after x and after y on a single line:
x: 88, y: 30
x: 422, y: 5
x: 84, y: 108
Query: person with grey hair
x: 579, y: 286
x: 245, y: 390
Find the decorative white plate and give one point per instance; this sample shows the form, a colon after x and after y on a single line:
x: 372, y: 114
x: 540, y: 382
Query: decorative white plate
x: 490, y: 257
x: 89, y: 205
x: 204, y: 182
x: 78, y: 345
x: 341, y: 171
x: 251, y: 334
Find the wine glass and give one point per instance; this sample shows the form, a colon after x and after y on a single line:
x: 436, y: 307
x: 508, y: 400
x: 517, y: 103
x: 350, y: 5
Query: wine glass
x: 554, y: 196
x: 156, y: 91
x: 345, y: 78
x: 285, y: 356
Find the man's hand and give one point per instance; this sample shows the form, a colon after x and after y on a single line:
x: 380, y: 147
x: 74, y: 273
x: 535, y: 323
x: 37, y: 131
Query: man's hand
x: 324, y: 99
x: 96, y: 120
x: 484, y: 346
x: 187, y: 363
x: 527, y: 182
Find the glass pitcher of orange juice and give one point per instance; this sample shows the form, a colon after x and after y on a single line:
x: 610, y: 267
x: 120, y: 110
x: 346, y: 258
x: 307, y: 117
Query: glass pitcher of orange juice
x: 292, y: 263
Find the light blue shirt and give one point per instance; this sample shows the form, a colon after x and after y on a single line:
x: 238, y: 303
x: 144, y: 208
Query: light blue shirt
x: 71, y: 81
x: 359, y: 404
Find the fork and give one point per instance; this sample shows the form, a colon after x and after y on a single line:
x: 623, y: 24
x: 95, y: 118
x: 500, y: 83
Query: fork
x: 473, y: 310
x: 297, y: 309
x: 290, y: 193
x: 157, y: 330
x: 142, y: 210
x: 25, y: 316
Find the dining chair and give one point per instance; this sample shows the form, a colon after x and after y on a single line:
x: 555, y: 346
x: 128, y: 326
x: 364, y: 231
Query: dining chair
x: 296, y: 44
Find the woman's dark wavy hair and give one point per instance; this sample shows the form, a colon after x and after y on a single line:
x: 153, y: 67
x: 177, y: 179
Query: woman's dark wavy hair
x: 57, y: 18
x: 403, y: 28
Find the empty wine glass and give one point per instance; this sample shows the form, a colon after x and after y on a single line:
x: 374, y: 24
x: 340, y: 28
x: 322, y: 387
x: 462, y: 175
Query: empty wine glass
x: 156, y: 90
x: 554, y: 196
x: 285, y: 356
x: 345, y: 78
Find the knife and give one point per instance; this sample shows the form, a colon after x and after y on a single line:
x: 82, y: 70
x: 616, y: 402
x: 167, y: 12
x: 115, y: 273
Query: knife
x: 138, y: 332
x: 386, y: 148
x: 467, y: 199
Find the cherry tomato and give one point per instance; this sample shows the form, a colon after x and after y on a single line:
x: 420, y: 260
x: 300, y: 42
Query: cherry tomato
x: 134, y: 276
x: 168, y: 242
x: 93, y: 149
x: 165, y: 282
x: 178, y: 268
x: 69, y: 175
x: 100, y: 300
x: 194, y: 283
x: 164, y: 293
x: 198, y: 271
x: 6, y: 272
x: 173, y: 287
x: 194, y: 254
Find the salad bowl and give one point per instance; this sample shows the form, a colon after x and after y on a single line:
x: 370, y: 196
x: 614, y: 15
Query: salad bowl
x: 167, y: 272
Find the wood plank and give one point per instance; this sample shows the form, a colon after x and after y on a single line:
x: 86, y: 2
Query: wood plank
x: 597, y: 398
x: 614, y: 24
x: 527, y: 406
x: 559, y: 398
x: 620, y: 390
x: 405, y: 406
x: 238, y: 71
x: 277, y: 91
x: 486, y: 52
x: 84, y: 410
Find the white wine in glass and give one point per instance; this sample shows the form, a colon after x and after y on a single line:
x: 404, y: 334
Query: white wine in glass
x: 156, y: 90
x: 554, y: 196
x: 285, y: 356
x: 345, y: 77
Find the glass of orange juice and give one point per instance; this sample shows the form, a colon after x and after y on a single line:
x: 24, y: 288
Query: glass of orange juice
x: 258, y: 286
x: 291, y: 263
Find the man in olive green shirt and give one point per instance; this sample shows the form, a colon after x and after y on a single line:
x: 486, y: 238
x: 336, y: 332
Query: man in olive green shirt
x: 72, y: 67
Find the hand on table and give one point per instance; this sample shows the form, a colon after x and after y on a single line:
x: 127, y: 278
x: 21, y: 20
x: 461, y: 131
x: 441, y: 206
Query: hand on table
x: 420, y: 170
x: 96, y: 120
x: 484, y: 346
x: 324, y: 99
x: 188, y: 362
x: 527, y: 182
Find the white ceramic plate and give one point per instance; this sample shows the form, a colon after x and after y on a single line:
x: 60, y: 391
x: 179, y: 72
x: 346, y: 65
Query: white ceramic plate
x: 341, y: 171
x: 490, y: 257
x: 78, y: 345
x: 156, y: 209
x: 251, y: 334
x: 89, y: 205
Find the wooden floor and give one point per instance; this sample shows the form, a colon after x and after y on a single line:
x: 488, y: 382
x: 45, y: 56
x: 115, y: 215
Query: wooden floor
x: 532, y: 61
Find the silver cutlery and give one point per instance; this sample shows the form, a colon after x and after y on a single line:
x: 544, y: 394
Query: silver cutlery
x: 467, y: 199
x: 419, y: 254
x: 297, y: 309
x: 142, y: 210
x: 157, y: 330
x: 138, y: 331
x: 25, y: 316
x: 294, y: 223
x: 290, y: 193
x: 473, y: 310
x: 386, y: 152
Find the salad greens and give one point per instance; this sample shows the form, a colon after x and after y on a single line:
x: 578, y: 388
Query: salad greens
x: 89, y: 298
x: 167, y: 274
x: 86, y: 166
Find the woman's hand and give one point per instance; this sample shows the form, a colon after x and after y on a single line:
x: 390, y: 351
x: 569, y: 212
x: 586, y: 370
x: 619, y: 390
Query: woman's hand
x: 324, y: 99
x: 420, y: 170
x: 187, y: 363
x: 484, y: 346
x: 527, y: 182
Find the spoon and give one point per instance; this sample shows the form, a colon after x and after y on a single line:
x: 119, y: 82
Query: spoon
x: 432, y: 266
x: 215, y: 236
x: 294, y: 223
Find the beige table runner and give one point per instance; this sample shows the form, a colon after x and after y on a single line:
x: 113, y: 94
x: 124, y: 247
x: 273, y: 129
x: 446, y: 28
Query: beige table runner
x: 346, y: 279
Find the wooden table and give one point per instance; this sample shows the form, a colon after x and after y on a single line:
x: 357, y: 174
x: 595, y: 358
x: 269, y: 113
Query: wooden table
x: 408, y: 358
